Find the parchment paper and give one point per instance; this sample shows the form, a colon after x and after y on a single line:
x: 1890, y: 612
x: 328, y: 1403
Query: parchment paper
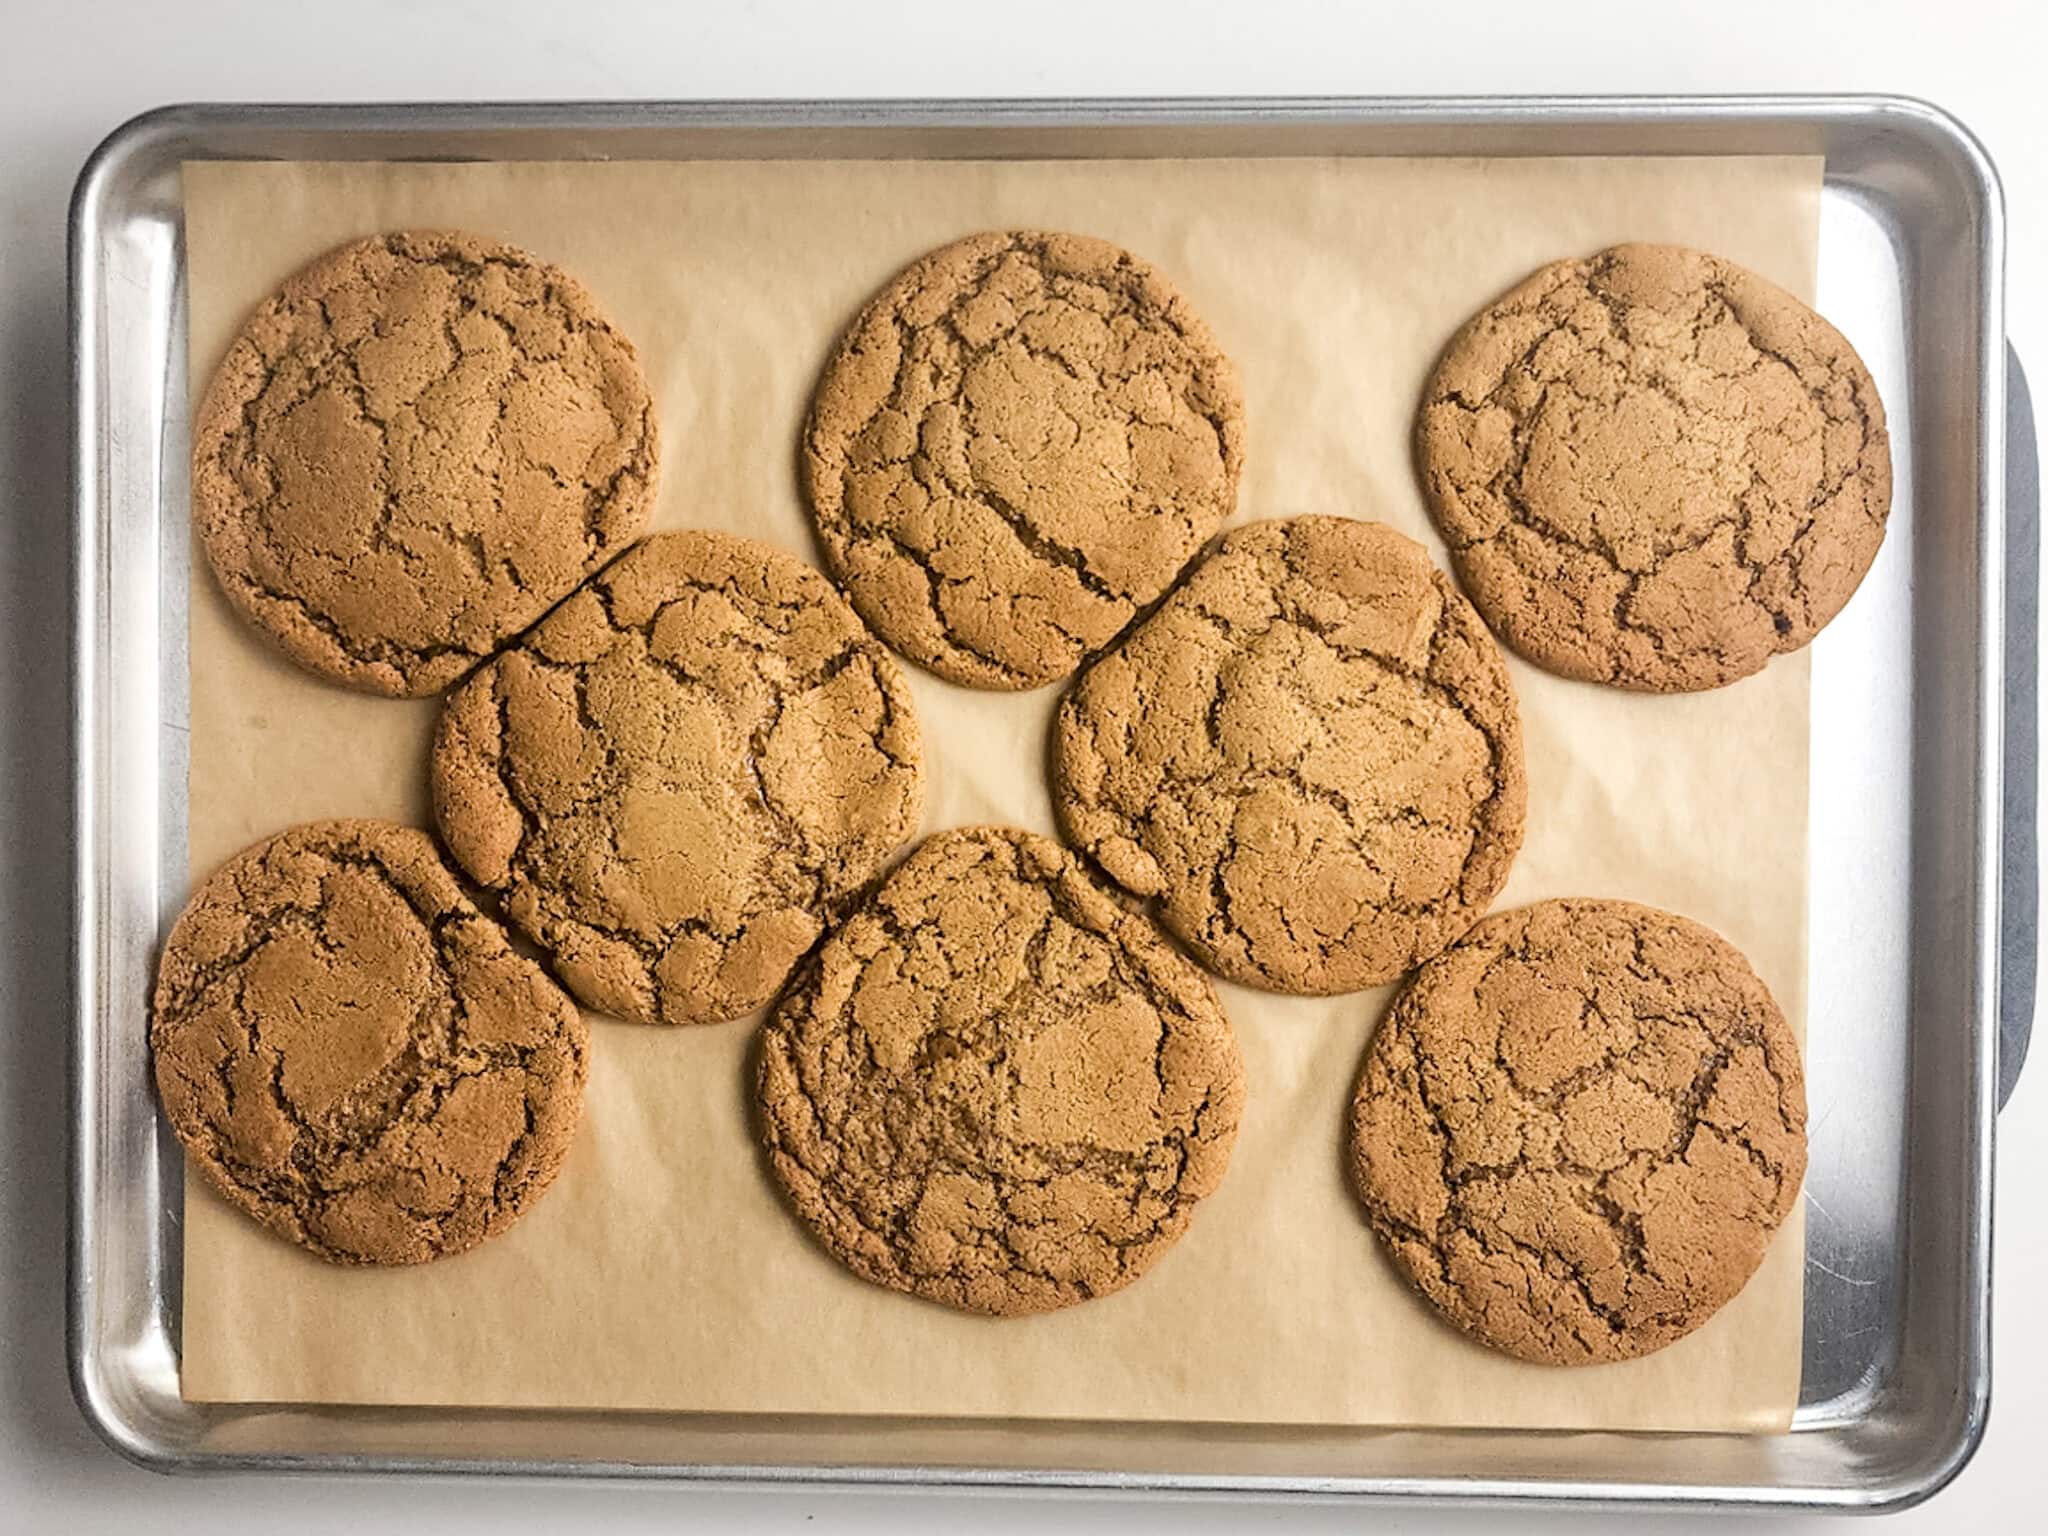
x: 662, y: 1272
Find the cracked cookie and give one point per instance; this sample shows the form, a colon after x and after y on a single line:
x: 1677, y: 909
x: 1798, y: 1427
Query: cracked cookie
x: 1310, y: 754
x: 1017, y: 447
x: 412, y: 451
x: 678, y: 775
x: 1577, y: 1129
x: 1655, y: 469
x: 997, y: 1086
x: 354, y: 1054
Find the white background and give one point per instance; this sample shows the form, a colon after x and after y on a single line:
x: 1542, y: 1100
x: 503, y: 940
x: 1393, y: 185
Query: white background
x: 71, y: 70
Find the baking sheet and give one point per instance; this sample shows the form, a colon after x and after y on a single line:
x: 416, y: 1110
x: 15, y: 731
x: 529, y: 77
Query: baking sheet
x: 662, y: 1272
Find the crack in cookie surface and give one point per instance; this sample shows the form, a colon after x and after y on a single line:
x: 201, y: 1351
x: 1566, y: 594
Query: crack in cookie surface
x: 996, y: 1085
x: 1577, y: 1129
x: 354, y: 1054
x: 1655, y: 469
x: 412, y: 450
x: 1310, y: 754
x: 681, y: 774
x: 1015, y: 448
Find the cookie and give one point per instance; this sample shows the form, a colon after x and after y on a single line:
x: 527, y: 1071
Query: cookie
x: 1577, y: 1129
x: 676, y: 778
x: 1655, y: 469
x: 412, y: 451
x: 1015, y: 448
x: 996, y: 1086
x: 1310, y: 754
x: 355, y: 1056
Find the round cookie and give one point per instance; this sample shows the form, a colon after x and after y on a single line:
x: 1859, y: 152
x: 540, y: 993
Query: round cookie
x: 677, y: 777
x: 1015, y: 448
x: 412, y: 451
x: 1310, y: 754
x: 997, y: 1086
x: 1655, y: 469
x: 1578, y: 1128
x: 355, y: 1056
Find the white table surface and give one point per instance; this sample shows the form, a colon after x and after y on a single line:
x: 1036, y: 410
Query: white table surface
x: 71, y: 70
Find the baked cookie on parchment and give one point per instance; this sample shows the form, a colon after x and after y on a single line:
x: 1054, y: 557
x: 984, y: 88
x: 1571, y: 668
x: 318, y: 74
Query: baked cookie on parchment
x: 412, y: 451
x: 997, y: 1085
x: 354, y: 1055
x: 1578, y: 1127
x: 1310, y: 754
x: 1015, y: 448
x: 1654, y: 468
x: 675, y: 779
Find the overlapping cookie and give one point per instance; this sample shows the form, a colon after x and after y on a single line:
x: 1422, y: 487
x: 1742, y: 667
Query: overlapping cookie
x: 1310, y: 755
x: 997, y: 1086
x: 675, y: 779
x: 413, y: 450
x: 354, y: 1055
x: 1015, y: 448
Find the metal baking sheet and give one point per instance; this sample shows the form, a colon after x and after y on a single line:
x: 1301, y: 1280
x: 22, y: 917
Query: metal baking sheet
x: 1907, y: 820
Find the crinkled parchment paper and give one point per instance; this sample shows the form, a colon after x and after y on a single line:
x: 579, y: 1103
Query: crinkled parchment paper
x: 662, y: 1272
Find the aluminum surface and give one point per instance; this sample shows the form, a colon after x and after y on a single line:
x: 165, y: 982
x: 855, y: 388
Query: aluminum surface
x: 2022, y: 894
x: 1906, y: 838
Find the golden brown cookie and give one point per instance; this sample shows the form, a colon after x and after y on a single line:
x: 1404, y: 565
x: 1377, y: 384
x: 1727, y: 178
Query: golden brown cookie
x: 997, y: 1086
x: 1655, y: 469
x: 1578, y: 1128
x: 412, y: 451
x: 355, y: 1056
x: 1015, y: 448
x: 1310, y: 754
x: 676, y: 778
